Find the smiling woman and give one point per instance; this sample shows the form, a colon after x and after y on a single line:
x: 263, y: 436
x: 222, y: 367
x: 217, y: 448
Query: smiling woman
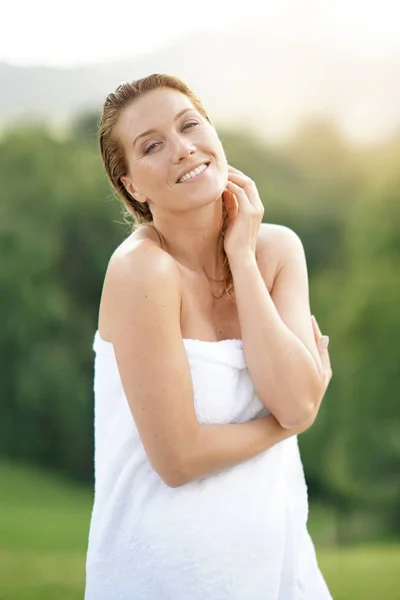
x: 206, y: 359
x: 144, y: 127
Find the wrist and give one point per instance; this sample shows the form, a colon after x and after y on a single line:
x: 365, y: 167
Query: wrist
x: 242, y: 259
x: 275, y: 432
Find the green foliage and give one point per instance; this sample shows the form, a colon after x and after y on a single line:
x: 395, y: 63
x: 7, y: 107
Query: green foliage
x: 59, y: 225
x: 56, y: 235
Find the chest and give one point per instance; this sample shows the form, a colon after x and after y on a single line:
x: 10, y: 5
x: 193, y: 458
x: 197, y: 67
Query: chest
x: 206, y: 316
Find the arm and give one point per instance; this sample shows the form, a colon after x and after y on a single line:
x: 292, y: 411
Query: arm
x: 278, y: 340
x: 141, y: 303
x: 276, y: 329
x: 219, y: 447
x: 257, y: 435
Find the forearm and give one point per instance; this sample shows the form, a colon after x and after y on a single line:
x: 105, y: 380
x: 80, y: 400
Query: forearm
x: 218, y: 447
x: 284, y: 373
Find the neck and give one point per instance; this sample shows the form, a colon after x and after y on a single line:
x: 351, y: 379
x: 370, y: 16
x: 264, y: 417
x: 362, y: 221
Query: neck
x: 194, y: 238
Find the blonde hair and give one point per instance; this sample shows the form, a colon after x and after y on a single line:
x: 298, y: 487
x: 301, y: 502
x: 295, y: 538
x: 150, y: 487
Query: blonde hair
x: 113, y: 155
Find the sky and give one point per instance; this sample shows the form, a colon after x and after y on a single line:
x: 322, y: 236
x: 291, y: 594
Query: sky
x: 79, y: 32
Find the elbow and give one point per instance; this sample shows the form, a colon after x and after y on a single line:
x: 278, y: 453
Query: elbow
x: 297, y: 417
x: 174, y: 479
x: 172, y: 483
x: 176, y: 475
x: 302, y: 411
x: 179, y: 467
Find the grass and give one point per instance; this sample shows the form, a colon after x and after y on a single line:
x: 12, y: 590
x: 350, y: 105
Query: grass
x: 362, y: 573
x: 43, y: 535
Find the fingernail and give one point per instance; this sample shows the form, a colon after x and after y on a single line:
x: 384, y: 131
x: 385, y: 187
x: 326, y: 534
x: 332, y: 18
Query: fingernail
x: 324, y: 341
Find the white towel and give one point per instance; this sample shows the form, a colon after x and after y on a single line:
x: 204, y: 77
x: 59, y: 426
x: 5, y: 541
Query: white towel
x: 237, y: 535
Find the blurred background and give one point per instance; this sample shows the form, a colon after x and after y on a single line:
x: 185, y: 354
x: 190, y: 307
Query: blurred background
x: 306, y: 98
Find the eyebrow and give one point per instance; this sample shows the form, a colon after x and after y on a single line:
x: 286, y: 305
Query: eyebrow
x: 180, y: 113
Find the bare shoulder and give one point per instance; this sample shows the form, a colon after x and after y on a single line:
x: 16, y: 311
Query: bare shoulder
x: 276, y: 238
x: 275, y: 245
x: 137, y: 269
x: 141, y: 254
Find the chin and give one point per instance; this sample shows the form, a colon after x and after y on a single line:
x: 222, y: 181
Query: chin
x: 215, y: 190
x: 211, y: 189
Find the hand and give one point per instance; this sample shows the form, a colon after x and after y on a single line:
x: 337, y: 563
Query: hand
x: 322, y: 342
x: 244, y: 211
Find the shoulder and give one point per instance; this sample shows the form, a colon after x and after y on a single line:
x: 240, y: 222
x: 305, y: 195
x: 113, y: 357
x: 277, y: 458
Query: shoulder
x: 139, y: 256
x: 138, y: 271
x: 277, y: 244
x: 276, y: 237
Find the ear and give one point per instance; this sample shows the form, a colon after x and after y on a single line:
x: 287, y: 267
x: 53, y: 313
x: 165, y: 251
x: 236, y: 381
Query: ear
x: 128, y: 185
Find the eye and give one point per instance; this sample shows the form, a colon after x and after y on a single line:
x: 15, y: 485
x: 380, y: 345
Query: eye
x: 150, y: 148
x: 190, y: 124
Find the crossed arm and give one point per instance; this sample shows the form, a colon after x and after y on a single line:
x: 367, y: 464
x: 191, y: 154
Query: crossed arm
x: 281, y: 354
x: 278, y: 339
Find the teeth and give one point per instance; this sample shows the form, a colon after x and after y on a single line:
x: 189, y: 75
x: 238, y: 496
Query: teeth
x: 193, y: 173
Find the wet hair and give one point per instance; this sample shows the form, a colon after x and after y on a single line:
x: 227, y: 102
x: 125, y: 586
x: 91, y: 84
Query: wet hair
x: 113, y: 154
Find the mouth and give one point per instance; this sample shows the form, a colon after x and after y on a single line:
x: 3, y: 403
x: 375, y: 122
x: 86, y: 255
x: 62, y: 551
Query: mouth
x: 194, y: 173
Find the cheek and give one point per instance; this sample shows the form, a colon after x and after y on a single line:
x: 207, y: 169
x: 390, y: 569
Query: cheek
x: 222, y: 156
x: 146, y: 176
x: 219, y: 147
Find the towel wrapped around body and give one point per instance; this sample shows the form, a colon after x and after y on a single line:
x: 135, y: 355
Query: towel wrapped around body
x: 240, y: 534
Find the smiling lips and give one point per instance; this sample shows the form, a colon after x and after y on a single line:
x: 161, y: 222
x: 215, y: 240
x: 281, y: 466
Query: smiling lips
x: 191, y: 174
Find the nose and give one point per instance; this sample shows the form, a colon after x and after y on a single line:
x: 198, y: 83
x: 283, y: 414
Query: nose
x: 182, y: 147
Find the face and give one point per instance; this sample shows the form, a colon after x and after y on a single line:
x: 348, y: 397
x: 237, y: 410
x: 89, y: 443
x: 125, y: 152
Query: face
x: 175, y: 159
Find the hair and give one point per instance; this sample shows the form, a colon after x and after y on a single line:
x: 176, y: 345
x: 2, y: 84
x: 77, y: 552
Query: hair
x: 114, y: 160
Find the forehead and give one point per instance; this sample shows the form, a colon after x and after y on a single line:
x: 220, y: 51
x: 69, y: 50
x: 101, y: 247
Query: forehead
x: 152, y: 111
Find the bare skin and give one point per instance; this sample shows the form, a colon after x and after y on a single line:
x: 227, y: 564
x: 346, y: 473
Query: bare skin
x: 153, y: 296
x: 202, y: 315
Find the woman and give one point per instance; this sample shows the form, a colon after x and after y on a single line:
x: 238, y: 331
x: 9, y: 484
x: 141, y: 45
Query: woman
x: 207, y: 366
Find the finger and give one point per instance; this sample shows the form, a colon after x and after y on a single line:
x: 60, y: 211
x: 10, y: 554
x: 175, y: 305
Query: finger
x: 317, y: 333
x: 324, y: 342
x: 240, y: 178
x: 248, y: 186
x: 242, y: 198
x: 322, y: 351
x: 229, y: 194
x: 229, y: 199
x: 230, y: 203
x: 317, y: 338
x: 325, y: 361
x: 327, y: 370
x: 316, y: 325
x: 234, y: 170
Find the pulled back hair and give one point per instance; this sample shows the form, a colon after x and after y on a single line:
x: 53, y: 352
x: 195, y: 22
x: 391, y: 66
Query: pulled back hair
x: 113, y: 155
